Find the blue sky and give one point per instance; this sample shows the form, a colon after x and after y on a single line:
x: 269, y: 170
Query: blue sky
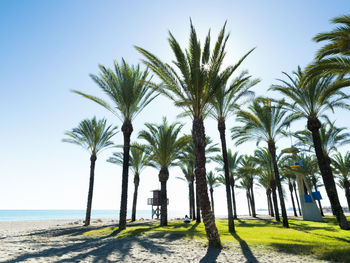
x: 48, y: 48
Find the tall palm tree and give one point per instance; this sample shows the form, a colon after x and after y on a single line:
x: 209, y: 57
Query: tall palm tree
x: 188, y: 172
x: 266, y: 171
x: 264, y: 121
x: 226, y: 101
x: 247, y: 171
x: 138, y: 161
x: 342, y: 169
x: 233, y: 160
x: 127, y: 89
x: 164, y: 145
x: 212, y: 182
x: 310, y: 100
x: 192, y: 84
x: 334, y: 57
x: 244, y: 184
x: 188, y: 157
x: 331, y: 137
x: 94, y: 136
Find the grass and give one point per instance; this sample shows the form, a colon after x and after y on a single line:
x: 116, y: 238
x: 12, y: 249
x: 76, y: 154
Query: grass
x: 323, y: 240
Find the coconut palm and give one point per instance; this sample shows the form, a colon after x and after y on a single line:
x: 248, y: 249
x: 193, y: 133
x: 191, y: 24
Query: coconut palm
x: 164, y: 145
x: 247, y: 171
x: 334, y: 57
x: 94, y: 136
x: 264, y: 121
x: 310, y: 100
x: 126, y: 87
x: 192, y: 84
x: 342, y: 169
x: 226, y: 101
x: 138, y: 161
x: 212, y: 182
x: 233, y: 159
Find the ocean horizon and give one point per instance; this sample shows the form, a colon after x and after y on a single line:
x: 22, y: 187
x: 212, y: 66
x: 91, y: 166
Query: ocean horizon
x: 76, y: 214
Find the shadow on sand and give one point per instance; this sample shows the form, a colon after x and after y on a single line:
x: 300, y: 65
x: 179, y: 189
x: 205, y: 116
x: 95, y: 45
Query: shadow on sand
x: 245, y: 249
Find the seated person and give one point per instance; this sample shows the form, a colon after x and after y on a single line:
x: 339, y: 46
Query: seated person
x: 187, y: 219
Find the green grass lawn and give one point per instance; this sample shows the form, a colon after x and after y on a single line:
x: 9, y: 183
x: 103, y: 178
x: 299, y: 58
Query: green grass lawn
x: 323, y: 240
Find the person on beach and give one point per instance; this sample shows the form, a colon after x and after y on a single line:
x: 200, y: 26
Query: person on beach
x: 187, y: 219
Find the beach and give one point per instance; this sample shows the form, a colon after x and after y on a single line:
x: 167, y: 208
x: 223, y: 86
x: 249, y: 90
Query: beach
x: 63, y: 241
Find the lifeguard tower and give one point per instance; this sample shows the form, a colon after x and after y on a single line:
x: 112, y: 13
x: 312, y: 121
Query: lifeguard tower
x: 309, y: 208
x: 155, y: 202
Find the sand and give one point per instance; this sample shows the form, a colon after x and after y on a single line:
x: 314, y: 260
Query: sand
x: 62, y: 241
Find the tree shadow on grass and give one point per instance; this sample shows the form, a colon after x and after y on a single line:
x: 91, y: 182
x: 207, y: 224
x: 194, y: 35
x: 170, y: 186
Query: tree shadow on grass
x: 248, y: 254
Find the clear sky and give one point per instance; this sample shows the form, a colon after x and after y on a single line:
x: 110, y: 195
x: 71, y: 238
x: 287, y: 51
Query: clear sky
x: 48, y: 48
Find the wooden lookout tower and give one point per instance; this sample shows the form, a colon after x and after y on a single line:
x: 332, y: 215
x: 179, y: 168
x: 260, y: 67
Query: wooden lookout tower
x: 155, y: 202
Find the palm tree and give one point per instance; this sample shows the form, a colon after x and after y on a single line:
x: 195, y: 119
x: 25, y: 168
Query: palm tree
x: 164, y: 146
x: 331, y: 136
x: 264, y: 181
x: 246, y: 172
x: 127, y: 88
x: 188, y: 157
x: 226, y: 101
x: 266, y: 172
x: 138, y: 161
x: 310, y: 100
x: 334, y: 57
x: 94, y: 136
x: 188, y: 171
x: 233, y: 160
x: 264, y: 121
x: 212, y: 182
x: 245, y: 185
x: 290, y: 177
x: 342, y: 169
x: 192, y: 85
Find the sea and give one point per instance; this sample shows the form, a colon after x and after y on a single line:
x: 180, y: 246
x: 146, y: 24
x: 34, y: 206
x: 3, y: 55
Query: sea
x: 20, y: 215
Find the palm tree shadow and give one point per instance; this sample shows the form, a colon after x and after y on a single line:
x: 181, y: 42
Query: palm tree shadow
x: 245, y: 249
x: 211, y: 255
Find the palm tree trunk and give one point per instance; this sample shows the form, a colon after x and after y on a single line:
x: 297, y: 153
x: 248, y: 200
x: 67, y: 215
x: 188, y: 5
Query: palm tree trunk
x: 252, y: 201
x: 198, y: 218
x: 163, y: 178
x: 319, y: 201
x: 127, y: 130
x: 134, y: 202
x: 248, y: 202
x: 270, y: 202
x: 221, y: 128
x: 347, y: 192
x: 296, y: 197
x: 234, y: 201
x: 91, y: 189
x: 212, y: 200
x: 272, y: 149
x: 275, y: 204
x: 192, y: 201
x: 199, y: 141
x: 189, y: 200
x: 290, y: 185
x: 327, y: 175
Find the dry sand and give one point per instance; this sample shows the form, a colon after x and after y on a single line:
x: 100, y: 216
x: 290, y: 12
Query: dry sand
x: 62, y: 241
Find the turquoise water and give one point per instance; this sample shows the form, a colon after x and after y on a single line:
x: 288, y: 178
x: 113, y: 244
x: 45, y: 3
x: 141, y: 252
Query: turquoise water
x: 19, y: 215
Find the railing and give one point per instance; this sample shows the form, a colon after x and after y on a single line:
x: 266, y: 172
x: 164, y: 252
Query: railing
x: 155, y: 201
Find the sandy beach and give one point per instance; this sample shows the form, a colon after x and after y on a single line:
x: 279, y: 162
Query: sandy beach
x: 62, y: 241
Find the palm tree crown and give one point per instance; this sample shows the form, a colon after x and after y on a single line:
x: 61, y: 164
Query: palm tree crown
x: 93, y: 135
x: 126, y: 87
x: 164, y: 143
